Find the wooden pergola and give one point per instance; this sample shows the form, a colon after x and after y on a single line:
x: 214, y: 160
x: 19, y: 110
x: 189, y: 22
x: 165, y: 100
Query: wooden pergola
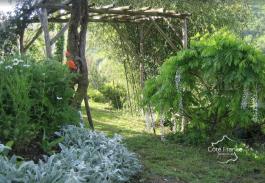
x: 46, y: 12
x: 108, y: 14
x: 122, y: 14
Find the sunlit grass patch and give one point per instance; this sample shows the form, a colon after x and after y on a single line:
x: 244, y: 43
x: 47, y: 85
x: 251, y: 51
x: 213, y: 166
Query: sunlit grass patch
x: 174, y: 160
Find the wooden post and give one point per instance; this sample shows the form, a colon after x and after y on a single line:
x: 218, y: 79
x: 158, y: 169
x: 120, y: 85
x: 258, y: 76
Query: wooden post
x: 142, y: 55
x: 184, y: 33
x: 43, y: 16
x: 185, y: 46
x: 127, y: 80
x: 148, y: 113
x: 141, y: 51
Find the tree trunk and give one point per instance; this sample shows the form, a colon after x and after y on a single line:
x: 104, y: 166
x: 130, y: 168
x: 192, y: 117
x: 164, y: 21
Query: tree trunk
x: 73, y: 38
x: 21, y: 41
x: 77, y: 45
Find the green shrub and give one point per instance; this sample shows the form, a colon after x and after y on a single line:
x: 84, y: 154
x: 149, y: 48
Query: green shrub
x: 96, y: 95
x: 115, y: 94
x: 217, y: 85
x: 34, y: 99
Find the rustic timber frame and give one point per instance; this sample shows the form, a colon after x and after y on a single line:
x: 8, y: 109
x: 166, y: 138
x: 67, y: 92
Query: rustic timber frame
x: 109, y: 14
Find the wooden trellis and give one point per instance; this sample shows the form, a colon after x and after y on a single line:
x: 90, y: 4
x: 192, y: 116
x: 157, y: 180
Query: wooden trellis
x: 110, y: 14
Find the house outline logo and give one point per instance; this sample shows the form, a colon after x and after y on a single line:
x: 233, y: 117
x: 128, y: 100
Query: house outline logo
x: 224, y: 151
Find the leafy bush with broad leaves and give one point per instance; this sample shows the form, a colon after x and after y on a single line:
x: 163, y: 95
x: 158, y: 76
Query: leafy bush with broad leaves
x: 217, y: 85
x: 85, y: 156
x: 34, y: 99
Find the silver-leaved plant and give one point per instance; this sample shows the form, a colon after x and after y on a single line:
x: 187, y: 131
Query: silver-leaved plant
x: 85, y: 156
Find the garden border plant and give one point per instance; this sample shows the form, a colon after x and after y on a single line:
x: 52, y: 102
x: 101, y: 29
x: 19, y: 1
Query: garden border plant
x: 85, y: 156
x: 34, y: 100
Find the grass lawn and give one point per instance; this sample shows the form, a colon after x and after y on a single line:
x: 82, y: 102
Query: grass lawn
x: 172, y: 162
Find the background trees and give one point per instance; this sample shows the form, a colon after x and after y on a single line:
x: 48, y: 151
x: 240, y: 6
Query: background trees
x: 122, y: 42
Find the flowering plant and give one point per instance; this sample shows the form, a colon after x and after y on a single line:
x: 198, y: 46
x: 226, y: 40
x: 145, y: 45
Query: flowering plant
x: 34, y: 99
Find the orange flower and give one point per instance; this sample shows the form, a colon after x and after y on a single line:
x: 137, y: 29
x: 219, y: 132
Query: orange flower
x: 71, y: 65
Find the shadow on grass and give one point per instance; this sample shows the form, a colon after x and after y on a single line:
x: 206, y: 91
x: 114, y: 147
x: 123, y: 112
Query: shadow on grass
x: 114, y: 129
x: 191, y: 164
x: 173, y: 161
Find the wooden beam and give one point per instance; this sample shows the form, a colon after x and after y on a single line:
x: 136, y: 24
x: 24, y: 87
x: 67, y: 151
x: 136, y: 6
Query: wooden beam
x: 60, y: 33
x: 118, y: 17
x: 172, y: 27
x: 103, y: 19
x: 164, y: 35
x: 34, y: 38
x: 129, y: 18
x: 108, y: 6
x: 53, y: 20
x: 159, y: 10
x: 100, y: 16
x: 154, y: 12
x: 144, y: 8
x: 146, y: 19
x: 43, y: 16
x: 121, y: 8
